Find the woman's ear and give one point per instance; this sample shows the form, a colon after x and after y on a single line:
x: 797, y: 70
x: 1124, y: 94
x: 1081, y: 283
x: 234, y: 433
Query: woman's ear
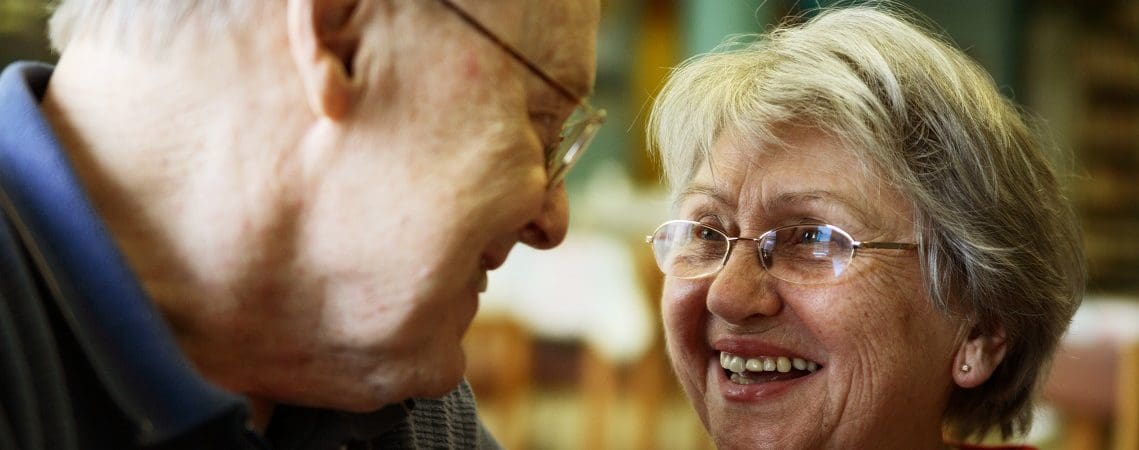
x: 323, y: 39
x: 978, y: 356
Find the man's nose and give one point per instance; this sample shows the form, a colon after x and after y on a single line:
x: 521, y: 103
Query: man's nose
x: 548, y: 229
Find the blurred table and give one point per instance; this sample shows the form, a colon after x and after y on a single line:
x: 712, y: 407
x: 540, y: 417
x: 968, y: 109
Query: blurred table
x: 590, y: 291
x: 599, y: 290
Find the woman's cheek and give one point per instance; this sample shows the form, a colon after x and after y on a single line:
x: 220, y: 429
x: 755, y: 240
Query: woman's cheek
x: 682, y: 305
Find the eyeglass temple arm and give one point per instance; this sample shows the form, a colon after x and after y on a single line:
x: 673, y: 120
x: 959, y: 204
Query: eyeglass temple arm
x: 517, y: 55
x: 886, y: 245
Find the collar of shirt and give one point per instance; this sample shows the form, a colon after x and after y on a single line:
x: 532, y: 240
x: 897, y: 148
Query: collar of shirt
x: 296, y: 428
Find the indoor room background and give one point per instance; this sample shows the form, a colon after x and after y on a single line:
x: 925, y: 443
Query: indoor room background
x: 567, y: 350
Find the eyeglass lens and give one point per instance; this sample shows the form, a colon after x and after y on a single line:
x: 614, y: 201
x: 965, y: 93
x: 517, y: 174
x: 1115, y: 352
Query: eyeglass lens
x: 575, y: 137
x: 809, y: 253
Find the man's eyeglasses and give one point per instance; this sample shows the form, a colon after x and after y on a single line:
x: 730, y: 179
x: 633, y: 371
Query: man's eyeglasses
x: 577, y: 132
x: 802, y: 254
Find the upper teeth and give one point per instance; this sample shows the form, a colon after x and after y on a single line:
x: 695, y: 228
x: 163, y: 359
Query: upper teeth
x: 783, y: 364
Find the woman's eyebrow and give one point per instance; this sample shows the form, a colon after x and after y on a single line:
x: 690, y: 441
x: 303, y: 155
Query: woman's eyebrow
x: 811, y: 196
x: 783, y: 200
x: 702, y: 190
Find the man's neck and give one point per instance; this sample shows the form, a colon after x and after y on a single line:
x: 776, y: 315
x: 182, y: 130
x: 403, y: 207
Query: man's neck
x: 176, y: 154
x: 189, y: 179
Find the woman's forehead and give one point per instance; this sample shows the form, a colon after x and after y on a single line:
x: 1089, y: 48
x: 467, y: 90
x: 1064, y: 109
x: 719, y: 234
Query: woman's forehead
x: 799, y: 161
x: 801, y: 171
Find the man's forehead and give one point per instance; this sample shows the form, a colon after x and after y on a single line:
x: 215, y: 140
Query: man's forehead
x: 559, y: 36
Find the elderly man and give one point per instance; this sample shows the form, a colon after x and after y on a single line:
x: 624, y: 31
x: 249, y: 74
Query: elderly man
x: 266, y: 224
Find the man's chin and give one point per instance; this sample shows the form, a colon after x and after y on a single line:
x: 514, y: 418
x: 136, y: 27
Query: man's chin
x: 440, y: 389
x: 438, y: 377
x: 448, y: 381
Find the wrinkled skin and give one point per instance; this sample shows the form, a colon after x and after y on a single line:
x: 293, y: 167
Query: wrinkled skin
x: 315, y: 229
x: 886, y: 353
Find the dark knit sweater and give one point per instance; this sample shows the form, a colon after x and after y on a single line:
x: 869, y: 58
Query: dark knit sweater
x: 447, y: 422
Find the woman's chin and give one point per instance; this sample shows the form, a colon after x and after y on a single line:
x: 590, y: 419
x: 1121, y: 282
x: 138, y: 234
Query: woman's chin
x: 750, y: 435
x: 763, y: 412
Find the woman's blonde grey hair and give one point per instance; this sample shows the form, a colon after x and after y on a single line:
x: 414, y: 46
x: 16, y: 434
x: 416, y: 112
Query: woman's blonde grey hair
x: 999, y: 244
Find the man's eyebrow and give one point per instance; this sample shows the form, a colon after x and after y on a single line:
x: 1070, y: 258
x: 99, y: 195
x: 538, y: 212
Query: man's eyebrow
x: 583, y: 89
x: 578, y: 80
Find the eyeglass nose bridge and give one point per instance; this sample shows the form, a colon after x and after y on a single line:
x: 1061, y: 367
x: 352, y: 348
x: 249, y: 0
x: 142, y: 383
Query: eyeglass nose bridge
x: 761, y: 254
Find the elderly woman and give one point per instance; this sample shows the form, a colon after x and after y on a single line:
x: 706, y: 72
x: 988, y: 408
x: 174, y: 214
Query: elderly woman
x: 870, y: 249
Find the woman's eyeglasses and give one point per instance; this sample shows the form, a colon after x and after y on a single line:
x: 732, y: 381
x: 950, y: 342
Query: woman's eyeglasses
x: 803, y: 254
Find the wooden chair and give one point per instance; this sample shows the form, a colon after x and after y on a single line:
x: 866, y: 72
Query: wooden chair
x: 1096, y: 389
x: 500, y: 355
x: 1126, y: 434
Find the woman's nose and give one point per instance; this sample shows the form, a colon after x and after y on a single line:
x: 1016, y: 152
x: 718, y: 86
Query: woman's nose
x: 548, y: 229
x: 743, y: 290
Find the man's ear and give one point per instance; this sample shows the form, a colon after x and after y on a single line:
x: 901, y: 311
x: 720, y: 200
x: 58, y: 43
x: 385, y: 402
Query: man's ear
x: 323, y: 38
x: 978, y: 356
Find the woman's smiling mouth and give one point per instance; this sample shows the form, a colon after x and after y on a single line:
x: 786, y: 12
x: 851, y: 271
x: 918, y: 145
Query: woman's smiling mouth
x: 762, y: 369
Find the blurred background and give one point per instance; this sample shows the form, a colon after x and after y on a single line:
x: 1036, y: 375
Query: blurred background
x: 567, y: 350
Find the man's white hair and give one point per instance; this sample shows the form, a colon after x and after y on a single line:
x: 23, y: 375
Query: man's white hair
x: 143, y: 22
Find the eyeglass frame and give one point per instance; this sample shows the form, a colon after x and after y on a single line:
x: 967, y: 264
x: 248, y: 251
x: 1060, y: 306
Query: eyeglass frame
x: 561, y: 154
x: 854, y: 246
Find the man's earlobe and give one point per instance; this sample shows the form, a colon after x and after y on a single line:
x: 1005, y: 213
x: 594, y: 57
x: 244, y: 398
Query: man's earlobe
x: 323, y: 38
x: 978, y: 356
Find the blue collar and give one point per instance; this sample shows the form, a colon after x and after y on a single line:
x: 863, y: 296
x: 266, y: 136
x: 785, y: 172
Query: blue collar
x: 125, y: 338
